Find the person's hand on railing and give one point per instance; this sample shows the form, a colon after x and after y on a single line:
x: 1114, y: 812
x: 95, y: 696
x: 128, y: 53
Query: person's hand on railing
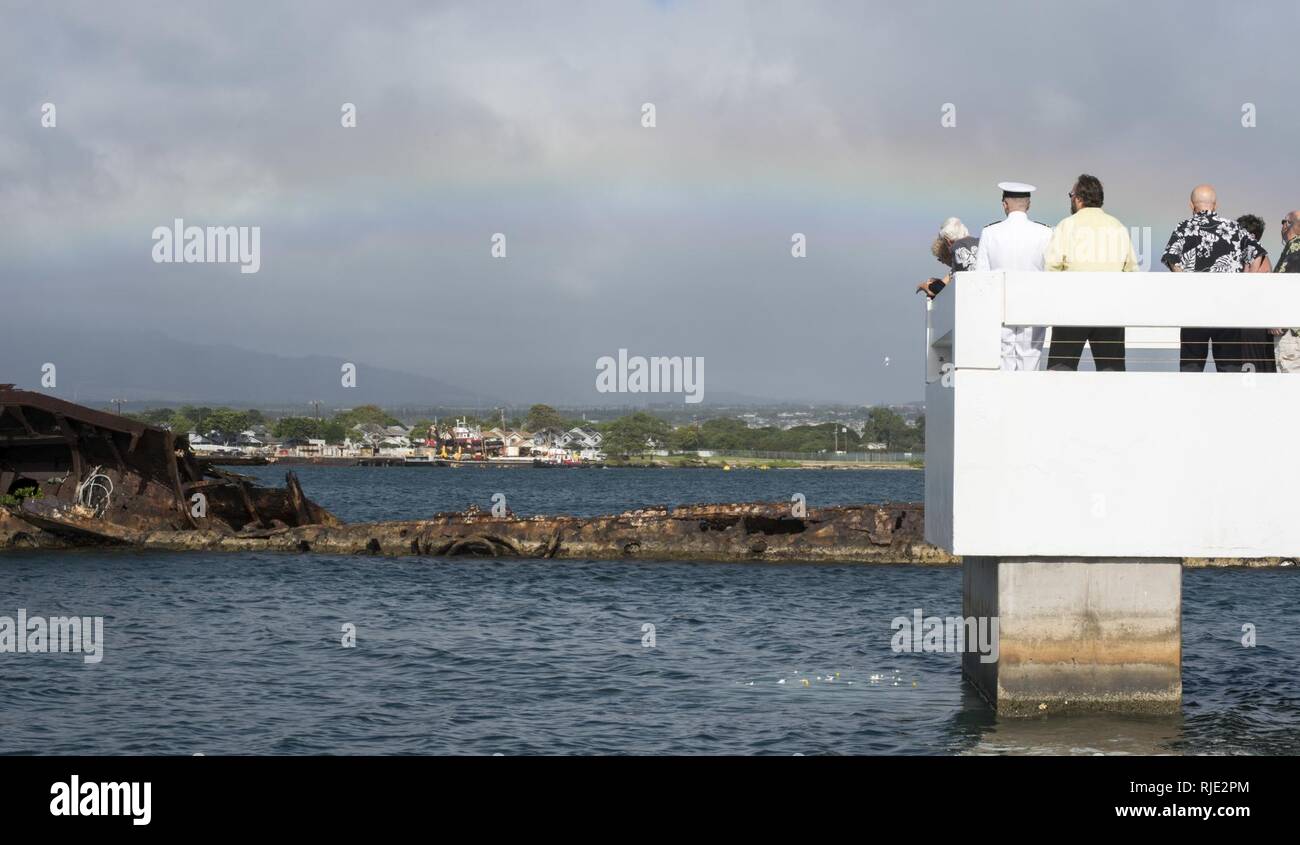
x: 931, y: 287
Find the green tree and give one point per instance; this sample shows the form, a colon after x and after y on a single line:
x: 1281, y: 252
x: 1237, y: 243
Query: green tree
x: 332, y: 431
x: 153, y: 416
x: 181, y: 424
x: 544, y: 416
x: 885, y: 426
x: 630, y: 435
x: 297, y: 428
x: 198, y: 416
x: 420, y: 429
x: 685, y: 438
x: 726, y: 433
x: 365, y: 414
x: 228, y: 423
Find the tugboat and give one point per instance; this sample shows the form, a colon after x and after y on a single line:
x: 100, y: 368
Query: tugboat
x: 459, y: 444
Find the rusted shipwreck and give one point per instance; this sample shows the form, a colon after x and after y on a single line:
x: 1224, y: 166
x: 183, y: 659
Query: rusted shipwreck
x: 754, y: 532
x: 71, y: 475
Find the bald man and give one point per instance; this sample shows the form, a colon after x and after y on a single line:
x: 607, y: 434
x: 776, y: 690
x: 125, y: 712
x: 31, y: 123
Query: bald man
x: 1287, y: 341
x: 1207, y: 242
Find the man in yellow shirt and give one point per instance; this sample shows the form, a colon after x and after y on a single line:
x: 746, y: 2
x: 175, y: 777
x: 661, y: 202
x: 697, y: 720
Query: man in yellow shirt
x: 1089, y: 241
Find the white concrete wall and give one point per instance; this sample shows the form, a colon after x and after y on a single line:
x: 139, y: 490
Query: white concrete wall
x: 1136, y: 464
x: 939, y: 442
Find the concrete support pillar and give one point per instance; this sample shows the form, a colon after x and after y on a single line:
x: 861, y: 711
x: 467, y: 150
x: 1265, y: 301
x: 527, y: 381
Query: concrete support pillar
x: 1077, y: 634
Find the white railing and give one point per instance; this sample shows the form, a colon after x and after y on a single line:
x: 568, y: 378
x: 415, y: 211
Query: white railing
x: 1153, y: 305
x: 1109, y: 464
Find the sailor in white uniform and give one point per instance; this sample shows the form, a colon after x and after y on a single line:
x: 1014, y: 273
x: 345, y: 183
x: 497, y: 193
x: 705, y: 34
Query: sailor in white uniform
x: 1016, y: 243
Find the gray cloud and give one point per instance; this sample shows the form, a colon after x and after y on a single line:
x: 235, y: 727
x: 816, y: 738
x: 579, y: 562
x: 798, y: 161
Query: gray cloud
x: 524, y: 119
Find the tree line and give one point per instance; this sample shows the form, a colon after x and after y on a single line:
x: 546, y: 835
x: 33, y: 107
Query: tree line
x: 228, y: 423
x: 630, y: 434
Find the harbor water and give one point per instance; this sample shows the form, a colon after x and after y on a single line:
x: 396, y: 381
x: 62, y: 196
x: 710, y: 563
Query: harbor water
x: 243, y: 654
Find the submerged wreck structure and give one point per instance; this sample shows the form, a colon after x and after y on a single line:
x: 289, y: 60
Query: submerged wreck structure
x: 71, y: 475
x: 725, y: 532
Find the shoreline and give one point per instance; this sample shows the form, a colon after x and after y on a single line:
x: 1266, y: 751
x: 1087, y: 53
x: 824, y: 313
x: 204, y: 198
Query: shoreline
x: 698, y: 463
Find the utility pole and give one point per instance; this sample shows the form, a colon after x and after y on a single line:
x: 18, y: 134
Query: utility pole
x: 119, y: 403
x: 316, y: 403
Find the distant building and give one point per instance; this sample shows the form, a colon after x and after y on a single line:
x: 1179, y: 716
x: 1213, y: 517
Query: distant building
x: 516, y: 444
x: 579, y: 438
x: 546, y: 437
x: 387, y: 437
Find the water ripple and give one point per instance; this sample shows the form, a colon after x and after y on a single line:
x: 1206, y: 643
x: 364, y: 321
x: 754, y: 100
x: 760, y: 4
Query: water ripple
x: 242, y: 654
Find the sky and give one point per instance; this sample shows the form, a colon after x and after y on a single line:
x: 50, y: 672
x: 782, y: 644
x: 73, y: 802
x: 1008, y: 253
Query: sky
x: 526, y: 119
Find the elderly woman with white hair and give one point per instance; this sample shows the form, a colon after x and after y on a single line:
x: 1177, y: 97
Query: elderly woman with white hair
x: 956, y: 249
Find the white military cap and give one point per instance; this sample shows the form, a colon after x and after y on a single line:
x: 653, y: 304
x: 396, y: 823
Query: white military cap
x: 1012, y: 190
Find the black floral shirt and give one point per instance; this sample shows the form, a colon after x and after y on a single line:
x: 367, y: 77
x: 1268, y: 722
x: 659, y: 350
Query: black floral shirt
x: 1289, y: 260
x: 966, y: 250
x: 1208, y: 243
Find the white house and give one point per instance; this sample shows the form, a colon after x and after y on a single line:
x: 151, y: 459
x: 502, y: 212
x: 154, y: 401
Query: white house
x: 545, y: 437
x: 516, y: 444
x: 579, y: 438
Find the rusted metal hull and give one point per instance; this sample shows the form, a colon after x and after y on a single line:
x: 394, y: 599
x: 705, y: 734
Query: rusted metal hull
x: 726, y: 532
x: 751, y: 533
x: 101, y: 477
